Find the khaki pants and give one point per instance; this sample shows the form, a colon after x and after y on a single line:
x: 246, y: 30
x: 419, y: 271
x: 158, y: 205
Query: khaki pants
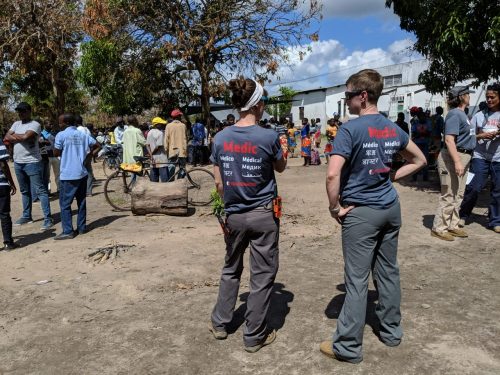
x: 452, y: 191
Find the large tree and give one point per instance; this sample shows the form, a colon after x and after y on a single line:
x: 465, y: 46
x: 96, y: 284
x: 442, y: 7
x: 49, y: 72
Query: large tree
x: 460, y: 38
x: 202, y: 42
x: 281, y: 105
x: 38, y: 47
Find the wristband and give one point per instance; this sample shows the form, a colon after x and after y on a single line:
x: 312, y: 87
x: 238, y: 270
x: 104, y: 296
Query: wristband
x: 336, y: 210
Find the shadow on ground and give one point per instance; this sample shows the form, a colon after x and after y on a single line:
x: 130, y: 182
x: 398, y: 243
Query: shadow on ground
x: 103, y: 221
x: 278, y: 310
x: 333, y: 308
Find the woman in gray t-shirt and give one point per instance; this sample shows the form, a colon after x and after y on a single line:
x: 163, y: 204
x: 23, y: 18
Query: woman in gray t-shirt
x: 453, y: 162
x: 245, y: 157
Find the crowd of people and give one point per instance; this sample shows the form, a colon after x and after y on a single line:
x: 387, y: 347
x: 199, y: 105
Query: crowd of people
x: 361, y: 155
x: 69, y: 150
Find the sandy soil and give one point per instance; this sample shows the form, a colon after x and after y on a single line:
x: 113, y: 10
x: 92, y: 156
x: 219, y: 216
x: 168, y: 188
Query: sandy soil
x: 147, y: 312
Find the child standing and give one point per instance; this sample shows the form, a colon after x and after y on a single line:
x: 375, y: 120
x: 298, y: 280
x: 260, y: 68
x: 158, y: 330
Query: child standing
x: 7, y: 188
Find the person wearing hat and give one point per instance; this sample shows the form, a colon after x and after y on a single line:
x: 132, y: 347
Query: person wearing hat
x: 154, y: 143
x: 24, y: 135
x: 453, y: 162
x: 175, y: 141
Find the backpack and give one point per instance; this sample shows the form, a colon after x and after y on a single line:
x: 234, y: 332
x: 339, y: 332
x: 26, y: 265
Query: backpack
x: 315, y: 159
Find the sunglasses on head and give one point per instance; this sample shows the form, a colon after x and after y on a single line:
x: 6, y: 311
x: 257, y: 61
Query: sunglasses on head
x: 351, y: 94
x: 265, y: 99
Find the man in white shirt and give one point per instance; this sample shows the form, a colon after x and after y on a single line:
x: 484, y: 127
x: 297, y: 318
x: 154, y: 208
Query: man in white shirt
x: 119, y: 130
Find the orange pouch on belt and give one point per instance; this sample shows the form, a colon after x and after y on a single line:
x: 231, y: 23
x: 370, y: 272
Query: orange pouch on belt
x: 277, y: 207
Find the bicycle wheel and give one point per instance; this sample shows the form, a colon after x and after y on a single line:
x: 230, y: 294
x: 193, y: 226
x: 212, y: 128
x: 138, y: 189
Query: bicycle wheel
x: 117, y: 191
x: 202, y: 182
x: 109, y: 167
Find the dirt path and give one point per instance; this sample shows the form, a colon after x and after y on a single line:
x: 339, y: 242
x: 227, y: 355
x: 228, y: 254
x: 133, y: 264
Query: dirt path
x: 147, y: 312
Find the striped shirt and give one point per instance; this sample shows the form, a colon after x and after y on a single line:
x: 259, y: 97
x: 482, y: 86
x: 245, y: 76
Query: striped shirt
x: 4, y: 156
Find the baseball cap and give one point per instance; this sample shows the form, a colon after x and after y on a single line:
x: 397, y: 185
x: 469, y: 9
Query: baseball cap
x: 176, y: 112
x: 23, y: 106
x: 459, y: 90
x: 158, y: 120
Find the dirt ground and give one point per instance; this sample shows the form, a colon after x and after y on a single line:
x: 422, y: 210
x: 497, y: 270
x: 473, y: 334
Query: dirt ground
x: 147, y: 311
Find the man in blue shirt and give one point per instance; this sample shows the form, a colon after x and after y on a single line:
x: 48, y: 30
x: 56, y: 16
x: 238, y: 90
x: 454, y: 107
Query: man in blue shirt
x: 73, y: 146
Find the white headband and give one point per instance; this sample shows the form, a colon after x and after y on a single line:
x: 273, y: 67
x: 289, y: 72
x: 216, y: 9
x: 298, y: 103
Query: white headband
x: 255, y: 98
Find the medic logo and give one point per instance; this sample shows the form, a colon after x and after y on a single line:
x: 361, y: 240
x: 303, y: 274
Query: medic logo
x: 245, y: 148
x: 382, y: 133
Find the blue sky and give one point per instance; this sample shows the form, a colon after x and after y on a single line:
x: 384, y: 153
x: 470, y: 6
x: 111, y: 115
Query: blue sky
x: 354, y: 34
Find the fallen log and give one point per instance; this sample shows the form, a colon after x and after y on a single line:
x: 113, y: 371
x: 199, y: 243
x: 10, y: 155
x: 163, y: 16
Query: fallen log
x: 161, y: 198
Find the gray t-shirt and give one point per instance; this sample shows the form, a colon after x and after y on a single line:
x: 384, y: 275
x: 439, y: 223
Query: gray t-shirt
x: 369, y: 144
x: 487, y: 149
x: 154, y: 140
x: 27, y: 151
x: 245, y: 156
x: 457, y: 123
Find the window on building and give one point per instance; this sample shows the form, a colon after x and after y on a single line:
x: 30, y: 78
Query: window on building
x: 301, y: 113
x: 394, y: 80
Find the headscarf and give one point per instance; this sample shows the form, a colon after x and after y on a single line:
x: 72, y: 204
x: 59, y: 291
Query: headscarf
x: 255, y: 98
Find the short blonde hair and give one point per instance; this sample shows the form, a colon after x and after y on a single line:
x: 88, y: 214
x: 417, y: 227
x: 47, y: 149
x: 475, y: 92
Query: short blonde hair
x: 369, y: 80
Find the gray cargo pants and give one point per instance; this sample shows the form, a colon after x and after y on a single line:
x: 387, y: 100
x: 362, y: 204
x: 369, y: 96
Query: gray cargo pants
x: 369, y: 242
x: 259, y: 229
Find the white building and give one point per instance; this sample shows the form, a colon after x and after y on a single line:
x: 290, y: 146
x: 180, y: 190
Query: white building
x: 401, y: 92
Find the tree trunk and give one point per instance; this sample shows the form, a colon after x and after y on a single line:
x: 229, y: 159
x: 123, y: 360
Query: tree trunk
x: 205, y: 97
x: 160, y: 198
x: 59, y: 91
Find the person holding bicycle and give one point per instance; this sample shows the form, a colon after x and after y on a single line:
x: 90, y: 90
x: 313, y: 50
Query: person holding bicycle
x: 159, y: 158
x: 175, y: 142
x: 245, y: 157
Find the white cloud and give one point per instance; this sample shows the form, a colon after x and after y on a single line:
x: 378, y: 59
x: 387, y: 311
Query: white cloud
x: 328, y: 63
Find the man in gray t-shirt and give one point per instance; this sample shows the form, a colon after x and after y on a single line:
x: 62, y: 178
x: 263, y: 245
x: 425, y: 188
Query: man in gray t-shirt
x: 24, y: 136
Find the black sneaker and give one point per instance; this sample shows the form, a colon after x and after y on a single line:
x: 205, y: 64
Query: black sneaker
x: 10, y: 246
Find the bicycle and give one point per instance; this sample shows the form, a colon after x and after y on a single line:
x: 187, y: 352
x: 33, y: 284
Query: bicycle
x: 111, y: 159
x: 118, y: 186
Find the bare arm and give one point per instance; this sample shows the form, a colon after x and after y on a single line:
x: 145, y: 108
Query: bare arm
x: 95, y: 148
x: 333, y: 179
x: 218, y: 181
x: 16, y: 138
x: 279, y: 165
x: 57, y: 152
x: 449, y: 140
x: 415, y: 161
x: 333, y: 188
